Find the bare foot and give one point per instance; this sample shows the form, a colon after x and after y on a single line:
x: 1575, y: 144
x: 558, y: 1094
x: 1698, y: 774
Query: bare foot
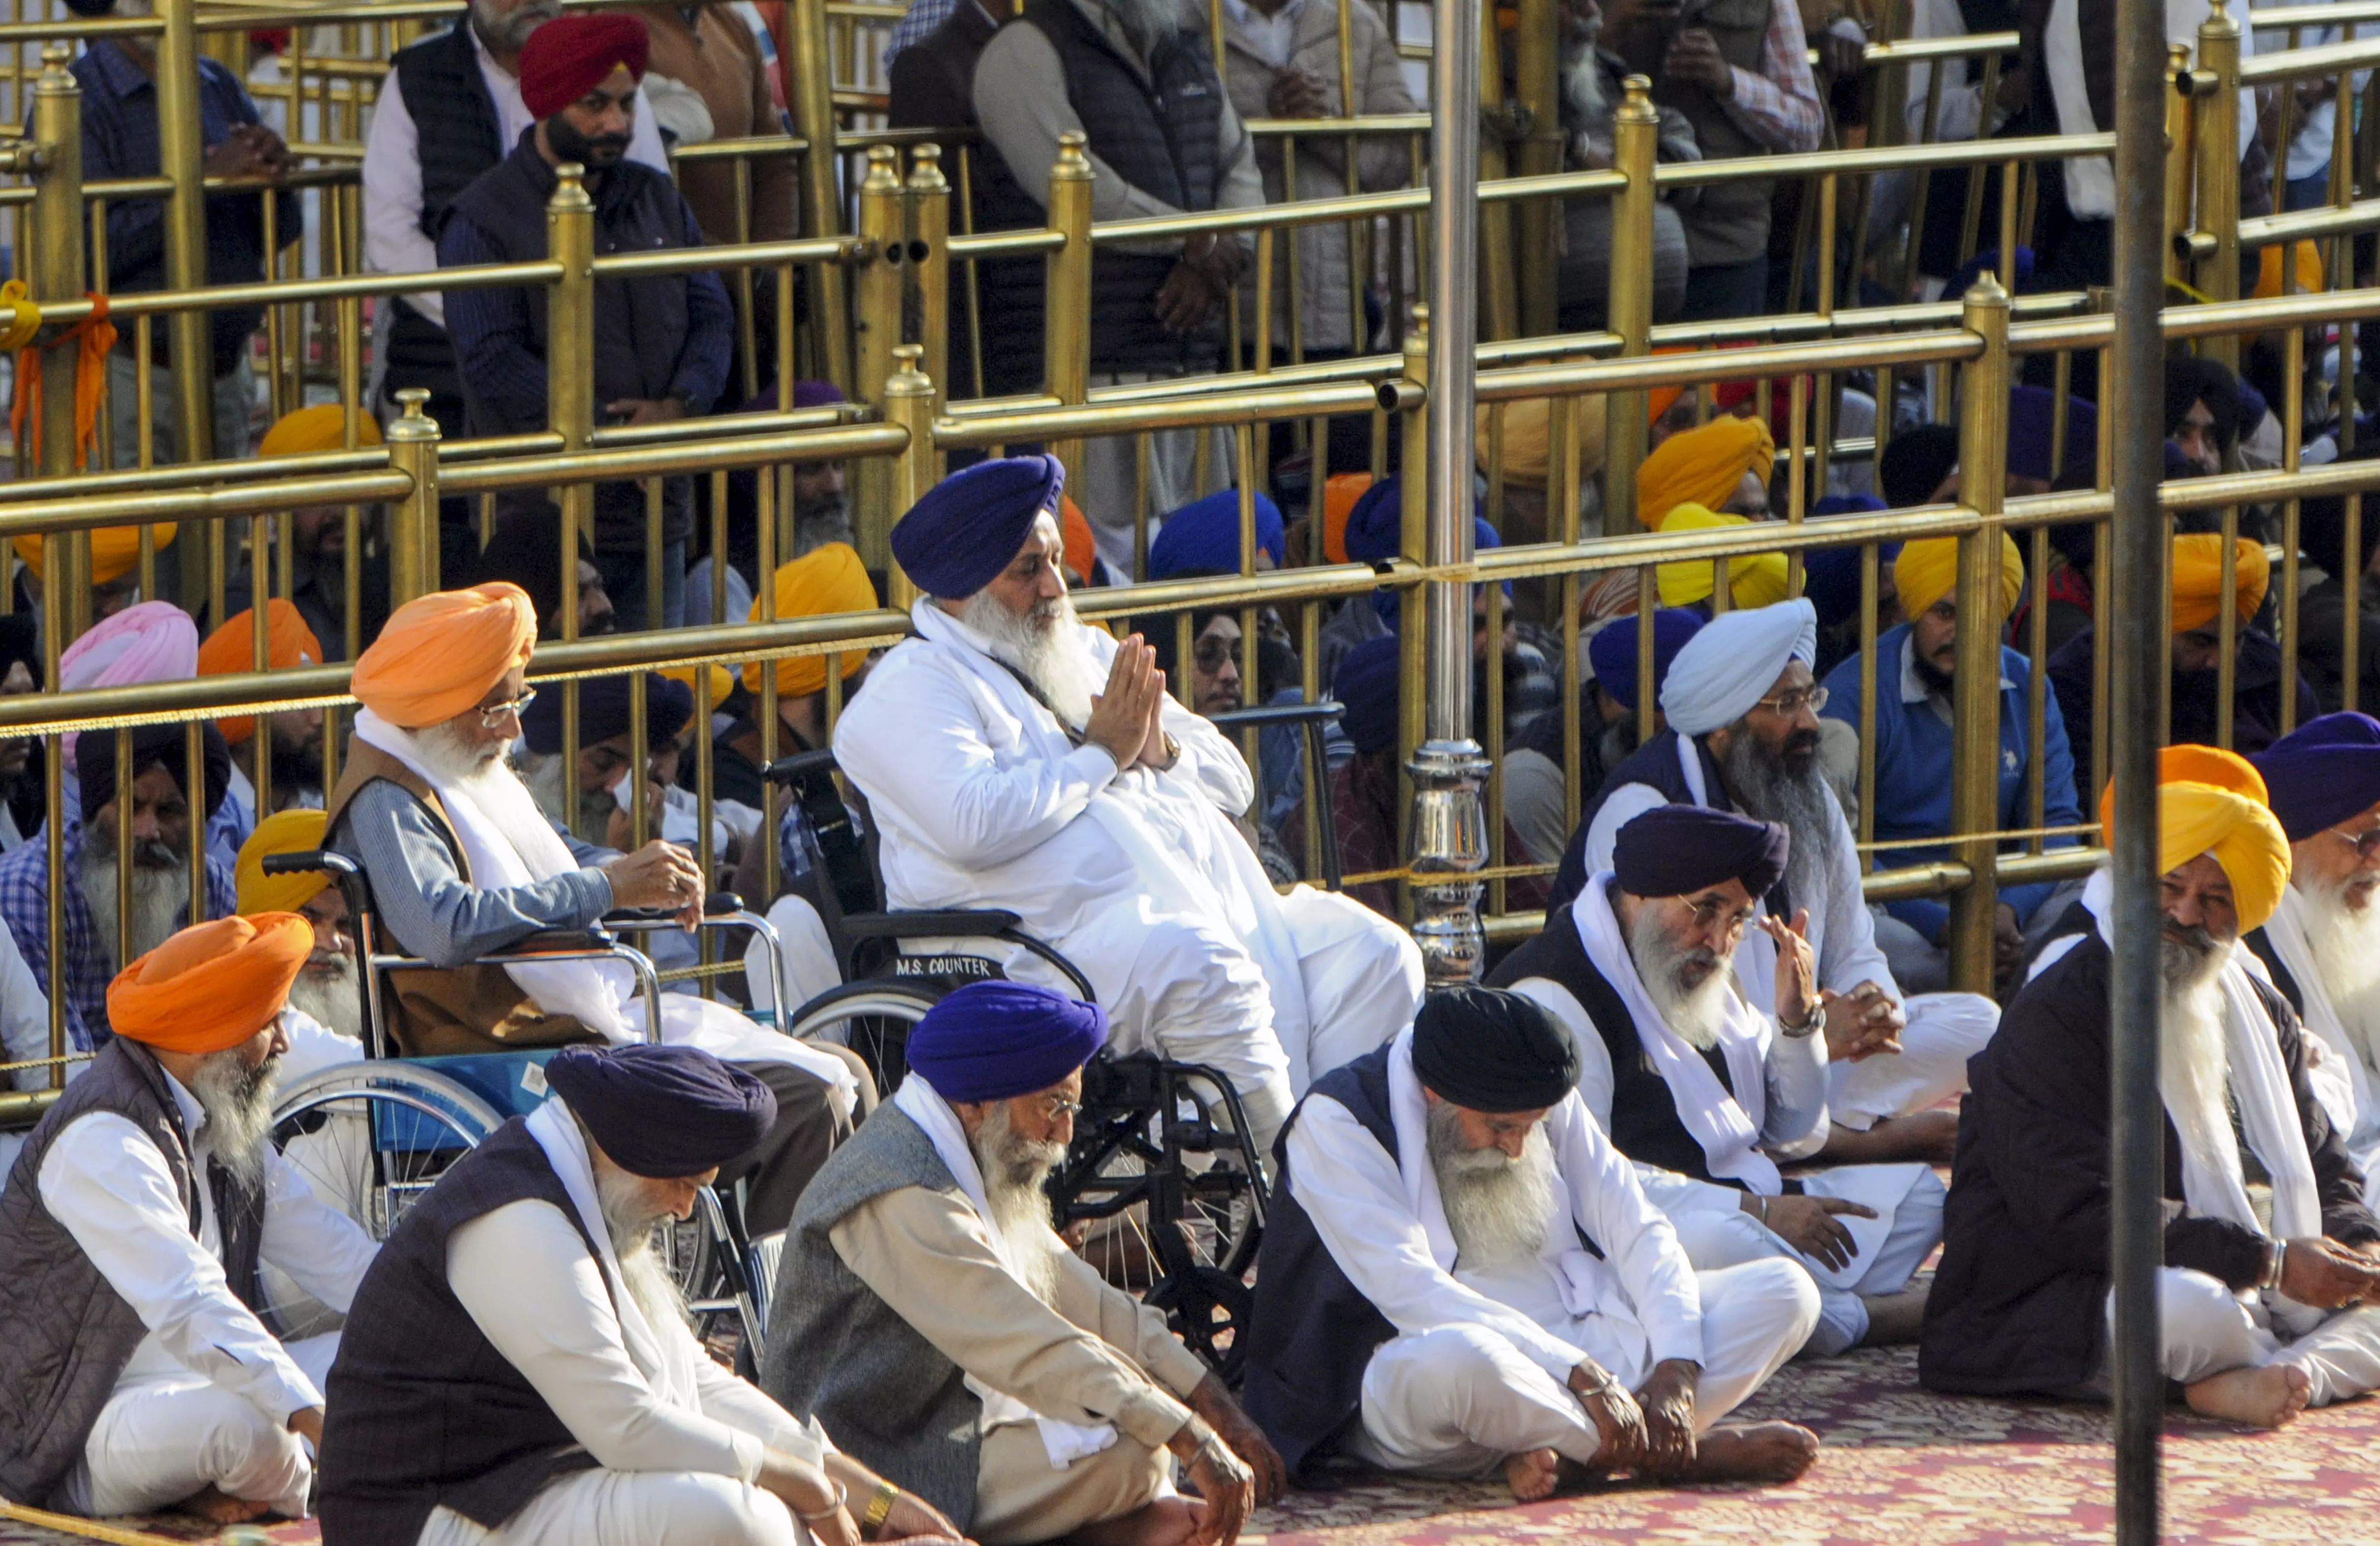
x: 1166, y: 1522
x: 1927, y: 1137
x: 1895, y: 1318
x: 1770, y: 1454
x: 1530, y: 1474
x: 217, y: 1509
x: 2268, y: 1397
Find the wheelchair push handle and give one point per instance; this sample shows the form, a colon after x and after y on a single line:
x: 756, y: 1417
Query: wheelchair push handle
x: 790, y: 771
x: 1278, y: 714
x: 310, y: 859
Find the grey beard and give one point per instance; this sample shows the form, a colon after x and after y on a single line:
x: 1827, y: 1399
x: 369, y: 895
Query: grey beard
x: 1693, y: 1013
x: 2191, y: 965
x: 821, y: 522
x: 334, y: 999
x: 2345, y: 947
x: 453, y: 757
x: 161, y: 891
x: 238, y: 1104
x: 1014, y: 1168
x: 1047, y: 646
x: 634, y: 1232
x: 509, y: 32
x: 1583, y: 95
x: 1496, y: 1207
x: 2193, y: 1071
x: 1768, y: 791
x: 1146, y: 23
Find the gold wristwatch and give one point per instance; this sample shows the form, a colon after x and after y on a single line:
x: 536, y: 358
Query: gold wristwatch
x: 880, y: 1508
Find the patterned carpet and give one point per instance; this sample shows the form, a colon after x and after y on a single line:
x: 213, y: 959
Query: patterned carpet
x: 1900, y: 1468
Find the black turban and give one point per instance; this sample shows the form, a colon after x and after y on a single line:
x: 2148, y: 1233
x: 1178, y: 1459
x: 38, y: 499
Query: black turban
x: 1489, y: 1051
x: 1675, y: 850
x: 526, y: 549
x: 153, y: 746
x: 603, y: 713
x: 662, y: 1111
x: 1915, y: 462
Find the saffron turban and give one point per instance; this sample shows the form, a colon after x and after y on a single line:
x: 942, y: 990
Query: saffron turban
x: 662, y: 1111
x: 212, y: 985
x: 113, y: 551
x: 1205, y: 535
x: 2033, y: 423
x: 151, y: 641
x: 1915, y: 462
x: 294, y: 830
x: 1612, y: 651
x: 322, y: 427
x: 1075, y: 536
x: 603, y: 713
x: 1753, y: 579
x: 821, y: 582
x: 1702, y: 465
x: 2198, y: 580
x: 1528, y: 455
x: 232, y: 647
x: 155, y: 746
x: 1676, y: 850
x: 1734, y: 662
x: 1365, y: 687
x: 964, y: 530
x: 1339, y: 496
x: 2213, y: 801
x: 1486, y: 1049
x: 994, y: 1041
x: 580, y: 55
x: 2325, y: 772
x: 1928, y: 570
x: 439, y: 654
x: 2306, y: 257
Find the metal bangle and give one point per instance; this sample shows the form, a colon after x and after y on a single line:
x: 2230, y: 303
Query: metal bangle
x: 842, y: 1496
x: 2275, y: 1264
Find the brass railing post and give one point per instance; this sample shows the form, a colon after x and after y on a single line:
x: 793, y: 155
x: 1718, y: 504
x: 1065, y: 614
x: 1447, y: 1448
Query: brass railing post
x: 2180, y: 159
x: 908, y: 402
x: 876, y: 328
x: 1538, y: 54
x: 413, y: 538
x: 56, y: 274
x: 1498, y: 303
x: 1636, y: 137
x: 929, y: 266
x: 2218, y: 172
x: 181, y: 156
x: 1066, y: 317
x: 809, y: 86
x: 1975, y: 696
x: 570, y: 397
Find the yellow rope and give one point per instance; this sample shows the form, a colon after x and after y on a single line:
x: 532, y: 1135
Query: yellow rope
x: 90, y: 1529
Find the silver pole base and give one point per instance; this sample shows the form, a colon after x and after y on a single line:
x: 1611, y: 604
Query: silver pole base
x: 1450, y: 845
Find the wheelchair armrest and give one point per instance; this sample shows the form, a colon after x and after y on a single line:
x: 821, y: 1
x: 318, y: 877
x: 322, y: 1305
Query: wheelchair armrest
x: 800, y: 765
x: 720, y: 903
x: 1278, y: 714
x: 979, y: 923
x: 311, y: 859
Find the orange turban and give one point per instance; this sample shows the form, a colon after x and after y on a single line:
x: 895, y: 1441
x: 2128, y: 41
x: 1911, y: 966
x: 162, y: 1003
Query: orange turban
x: 113, y: 551
x: 1339, y: 496
x: 1528, y: 436
x: 232, y: 647
x: 1702, y: 466
x: 294, y: 830
x: 439, y: 654
x: 2212, y: 801
x: 817, y: 584
x: 2306, y: 259
x: 2198, y: 579
x: 322, y: 427
x: 1074, y: 534
x: 212, y: 985
x: 1928, y: 570
x: 1753, y: 579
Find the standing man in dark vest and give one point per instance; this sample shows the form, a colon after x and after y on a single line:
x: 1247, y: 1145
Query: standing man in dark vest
x: 449, y: 110
x: 662, y: 342
x: 1136, y: 77
x: 519, y: 1371
x: 142, y: 1369
x: 1461, y: 1278
x: 1740, y: 72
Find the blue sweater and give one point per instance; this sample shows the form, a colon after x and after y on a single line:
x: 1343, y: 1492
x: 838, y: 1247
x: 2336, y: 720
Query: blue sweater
x: 1911, y: 797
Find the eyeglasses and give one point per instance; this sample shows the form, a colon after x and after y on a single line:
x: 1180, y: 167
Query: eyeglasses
x: 1212, y: 652
x: 2365, y: 844
x: 1709, y: 912
x: 492, y: 714
x: 1792, y: 702
x: 1059, y: 1107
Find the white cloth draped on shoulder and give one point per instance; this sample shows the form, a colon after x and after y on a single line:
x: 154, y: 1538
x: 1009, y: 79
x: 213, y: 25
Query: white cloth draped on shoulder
x: 2344, y: 1083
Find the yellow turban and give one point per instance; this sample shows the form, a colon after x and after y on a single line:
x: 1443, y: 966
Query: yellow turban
x: 2213, y: 801
x: 1526, y: 435
x: 829, y: 580
x: 2307, y: 260
x: 232, y: 647
x: 288, y: 831
x: 212, y: 985
x: 1753, y: 580
x: 113, y: 551
x: 722, y: 681
x: 439, y: 654
x: 1928, y: 570
x: 1702, y: 466
x: 2198, y: 579
x: 322, y: 427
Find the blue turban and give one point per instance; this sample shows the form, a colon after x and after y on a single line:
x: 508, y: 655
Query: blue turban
x: 994, y: 1041
x: 1205, y: 535
x: 1612, y: 651
x: 1375, y: 532
x: 1367, y: 685
x: 2020, y: 283
x: 1490, y: 1051
x: 956, y: 539
x: 2322, y: 773
x: 2031, y: 421
x: 662, y: 1111
x: 603, y: 711
x: 1676, y: 850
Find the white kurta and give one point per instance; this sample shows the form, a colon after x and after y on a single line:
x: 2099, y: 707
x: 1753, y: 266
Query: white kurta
x: 1139, y: 878
x: 1476, y: 1371
x: 1944, y: 1029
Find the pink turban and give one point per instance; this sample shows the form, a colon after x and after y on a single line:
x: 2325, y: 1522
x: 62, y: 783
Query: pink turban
x: 151, y: 641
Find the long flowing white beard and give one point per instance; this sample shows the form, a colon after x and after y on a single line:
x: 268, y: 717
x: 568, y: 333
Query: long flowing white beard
x: 1583, y: 85
x: 159, y: 894
x: 333, y: 998
x: 1047, y: 645
x: 238, y: 1104
x: 455, y: 759
x: 1014, y: 1168
x: 632, y: 1227
x: 1496, y: 1207
x: 1696, y: 1013
x: 2194, y: 1072
x: 2346, y: 945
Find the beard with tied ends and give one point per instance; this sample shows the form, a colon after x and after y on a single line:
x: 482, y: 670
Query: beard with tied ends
x: 160, y: 893
x: 1014, y: 1168
x: 1496, y: 1207
x: 1770, y: 788
x: 634, y: 1226
x: 1695, y: 1013
x: 1047, y: 645
x: 2345, y: 942
x: 328, y: 989
x: 238, y: 1104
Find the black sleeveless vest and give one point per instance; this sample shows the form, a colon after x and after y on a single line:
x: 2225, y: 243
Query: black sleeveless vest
x: 1654, y: 764
x: 458, y: 137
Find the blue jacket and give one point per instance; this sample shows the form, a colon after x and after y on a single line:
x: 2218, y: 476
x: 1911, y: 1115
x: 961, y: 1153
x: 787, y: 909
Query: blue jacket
x: 1911, y: 797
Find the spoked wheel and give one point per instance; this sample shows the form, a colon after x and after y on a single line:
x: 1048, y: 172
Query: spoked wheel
x: 872, y: 1018
x: 1206, y: 1309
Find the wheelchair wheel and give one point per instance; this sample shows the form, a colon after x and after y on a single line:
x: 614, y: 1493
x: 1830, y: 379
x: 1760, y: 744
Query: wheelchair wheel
x: 872, y: 1017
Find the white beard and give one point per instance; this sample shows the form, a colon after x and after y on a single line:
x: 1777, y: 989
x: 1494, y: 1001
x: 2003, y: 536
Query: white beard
x: 1582, y: 87
x: 1047, y: 645
x: 632, y: 1241
x: 2193, y: 1071
x: 1147, y: 23
x: 1496, y: 1207
x: 334, y: 1000
x: 454, y: 758
x: 238, y: 1104
x: 2345, y: 947
x: 159, y: 895
x: 1014, y: 1168
x: 1697, y: 1013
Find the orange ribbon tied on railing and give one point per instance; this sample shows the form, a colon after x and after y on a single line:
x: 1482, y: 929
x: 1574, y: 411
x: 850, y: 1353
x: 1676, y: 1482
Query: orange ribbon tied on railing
x: 93, y: 338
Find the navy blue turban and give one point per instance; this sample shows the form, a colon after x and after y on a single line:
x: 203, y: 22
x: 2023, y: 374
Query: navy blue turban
x: 1830, y: 577
x: 1205, y: 535
x: 1366, y: 685
x: 1676, y: 850
x: 1490, y: 1051
x: 1612, y: 651
x: 2020, y: 283
x: 2322, y: 773
x: 996, y: 1040
x: 956, y: 539
x: 1376, y: 526
x: 662, y: 1111
x: 2032, y: 419
x: 603, y: 711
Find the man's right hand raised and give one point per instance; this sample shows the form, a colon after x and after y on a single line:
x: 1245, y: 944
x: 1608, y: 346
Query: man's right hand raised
x: 1136, y: 692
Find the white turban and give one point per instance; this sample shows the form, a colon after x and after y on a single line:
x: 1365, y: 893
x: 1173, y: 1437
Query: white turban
x: 1733, y: 662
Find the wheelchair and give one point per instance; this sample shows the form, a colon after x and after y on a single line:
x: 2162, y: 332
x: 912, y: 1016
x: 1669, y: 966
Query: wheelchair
x: 371, y: 1136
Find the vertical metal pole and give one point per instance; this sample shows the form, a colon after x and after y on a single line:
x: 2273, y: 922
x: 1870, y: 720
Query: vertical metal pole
x: 1066, y: 314
x: 909, y: 402
x: 1537, y: 51
x: 1448, y: 829
x: 1486, y: 161
x: 179, y: 157
x: 570, y: 401
x: 2136, y: 643
x: 2218, y: 171
x: 810, y: 88
x: 413, y: 546
x: 1635, y: 143
x: 876, y: 328
x: 1975, y: 697
x: 929, y: 238
x: 57, y: 275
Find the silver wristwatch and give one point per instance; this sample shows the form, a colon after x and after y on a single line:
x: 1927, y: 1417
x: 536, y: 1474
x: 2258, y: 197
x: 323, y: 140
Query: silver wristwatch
x: 1817, y: 1018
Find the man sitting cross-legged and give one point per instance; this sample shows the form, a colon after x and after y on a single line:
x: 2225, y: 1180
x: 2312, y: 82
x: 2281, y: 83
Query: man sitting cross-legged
x: 2259, y: 1321
x: 928, y: 1314
x: 1694, y: 1084
x: 1461, y: 1275
x: 140, y: 1370
x: 519, y: 1370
